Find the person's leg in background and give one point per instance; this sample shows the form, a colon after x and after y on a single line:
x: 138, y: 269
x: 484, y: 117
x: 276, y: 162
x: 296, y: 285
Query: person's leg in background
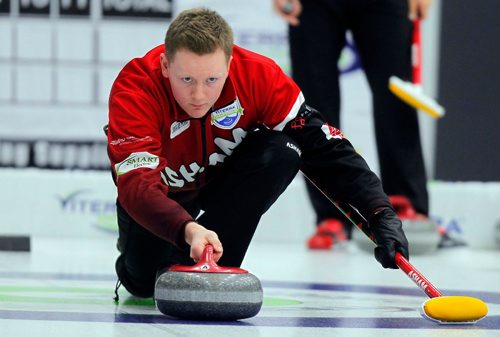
x: 315, y: 47
x: 257, y: 173
x: 382, y: 32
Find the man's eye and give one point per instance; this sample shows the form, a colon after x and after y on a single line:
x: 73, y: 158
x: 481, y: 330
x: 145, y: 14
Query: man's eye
x: 187, y: 79
x: 212, y: 79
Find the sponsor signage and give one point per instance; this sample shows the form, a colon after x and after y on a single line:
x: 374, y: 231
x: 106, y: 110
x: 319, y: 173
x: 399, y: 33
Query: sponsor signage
x: 90, y: 206
x: 60, y: 203
x: 4, y: 6
x: 74, y: 7
x: 137, y: 8
x: 34, y: 7
x: 54, y: 154
x: 161, y: 9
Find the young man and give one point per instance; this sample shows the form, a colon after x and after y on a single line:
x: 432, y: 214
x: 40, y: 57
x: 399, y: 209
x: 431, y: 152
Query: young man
x: 200, y: 124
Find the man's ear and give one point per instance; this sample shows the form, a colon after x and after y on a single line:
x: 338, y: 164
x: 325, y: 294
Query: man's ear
x: 164, y: 65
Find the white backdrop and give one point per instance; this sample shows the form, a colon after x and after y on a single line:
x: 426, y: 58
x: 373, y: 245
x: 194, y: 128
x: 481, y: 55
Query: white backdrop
x: 75, y: 204
x: 55, y: 76
x: 56, y: 72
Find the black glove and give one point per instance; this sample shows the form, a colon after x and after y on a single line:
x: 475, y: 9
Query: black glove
x: 389, y: 236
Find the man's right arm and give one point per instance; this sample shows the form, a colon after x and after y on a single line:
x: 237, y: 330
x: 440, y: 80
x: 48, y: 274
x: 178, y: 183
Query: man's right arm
x: 134, y: 148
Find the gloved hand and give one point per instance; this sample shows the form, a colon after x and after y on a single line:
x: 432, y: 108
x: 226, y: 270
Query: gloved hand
x: 389, y: 236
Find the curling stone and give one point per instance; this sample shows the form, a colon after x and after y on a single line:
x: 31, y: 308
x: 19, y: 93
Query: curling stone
x: 422, y: 234
x: 207, y: 291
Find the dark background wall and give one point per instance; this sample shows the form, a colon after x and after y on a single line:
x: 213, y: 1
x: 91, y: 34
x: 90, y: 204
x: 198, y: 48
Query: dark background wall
x: 468, y: 138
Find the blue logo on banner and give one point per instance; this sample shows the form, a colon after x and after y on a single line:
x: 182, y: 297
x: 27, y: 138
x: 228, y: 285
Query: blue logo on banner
x: 349, y: 58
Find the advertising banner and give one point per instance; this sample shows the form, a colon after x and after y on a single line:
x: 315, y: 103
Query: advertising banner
x: 34, y: 7
x: 4, y: 6
x: 57, y: 203
x: 77, y: 204
x: 78, y: 8
x: 137, y: 9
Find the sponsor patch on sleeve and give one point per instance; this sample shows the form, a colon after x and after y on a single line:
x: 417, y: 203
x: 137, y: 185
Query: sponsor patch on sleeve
x: 137, y: 160
x: 130, y: 140
x: 331, y: 132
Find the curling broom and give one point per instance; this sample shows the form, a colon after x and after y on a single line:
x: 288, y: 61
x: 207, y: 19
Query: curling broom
x: 438, y: 308
x: 412, y: 93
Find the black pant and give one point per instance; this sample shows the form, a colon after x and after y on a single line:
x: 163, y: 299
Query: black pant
x: 382, y: 33
x: 254, y: 176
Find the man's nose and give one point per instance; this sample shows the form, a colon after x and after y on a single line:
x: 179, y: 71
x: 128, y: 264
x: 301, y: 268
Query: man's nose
x: 198, y: 92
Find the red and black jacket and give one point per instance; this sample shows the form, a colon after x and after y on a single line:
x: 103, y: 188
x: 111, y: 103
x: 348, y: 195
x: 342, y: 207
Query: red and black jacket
x: 161, y: 156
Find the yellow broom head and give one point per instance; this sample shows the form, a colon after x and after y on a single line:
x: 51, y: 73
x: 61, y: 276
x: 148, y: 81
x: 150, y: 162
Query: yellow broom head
x: 455, y: 309
x: 413, y: 95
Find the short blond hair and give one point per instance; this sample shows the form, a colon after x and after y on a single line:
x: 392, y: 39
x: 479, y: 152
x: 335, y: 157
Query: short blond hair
x: 201, y: 31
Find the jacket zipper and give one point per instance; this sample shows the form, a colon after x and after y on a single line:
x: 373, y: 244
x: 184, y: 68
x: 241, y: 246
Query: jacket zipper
x: 203, y: 122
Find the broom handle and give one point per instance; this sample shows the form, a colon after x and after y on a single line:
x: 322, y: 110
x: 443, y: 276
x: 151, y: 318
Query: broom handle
x: 416, y: 53
x: 416, y: 276
x: 353, y: 215
x: 356, y: 218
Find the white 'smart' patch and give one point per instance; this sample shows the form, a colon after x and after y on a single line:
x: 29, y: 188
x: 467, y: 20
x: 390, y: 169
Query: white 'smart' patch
x: 137, y: 160
x: 331, y: 132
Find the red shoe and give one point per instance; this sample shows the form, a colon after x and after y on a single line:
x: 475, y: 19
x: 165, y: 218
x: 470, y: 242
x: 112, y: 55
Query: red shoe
x: 327, y: 233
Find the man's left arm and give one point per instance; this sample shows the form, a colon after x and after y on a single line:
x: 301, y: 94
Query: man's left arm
x: 331, y: 162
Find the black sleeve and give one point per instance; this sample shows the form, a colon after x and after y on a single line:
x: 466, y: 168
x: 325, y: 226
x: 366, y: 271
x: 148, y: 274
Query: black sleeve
x: 331, y: 162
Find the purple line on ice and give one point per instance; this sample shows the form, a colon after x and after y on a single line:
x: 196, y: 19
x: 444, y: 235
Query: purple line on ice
x: 491, y: 322
x: 486, y: 296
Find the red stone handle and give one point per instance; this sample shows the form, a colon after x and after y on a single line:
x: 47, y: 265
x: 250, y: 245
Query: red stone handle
x: 206, y: 264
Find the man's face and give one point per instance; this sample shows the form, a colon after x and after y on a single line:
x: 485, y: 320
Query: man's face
x: 196, y: 80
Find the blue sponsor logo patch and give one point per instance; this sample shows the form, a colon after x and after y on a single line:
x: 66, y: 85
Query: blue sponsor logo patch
x: 227, y: 117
